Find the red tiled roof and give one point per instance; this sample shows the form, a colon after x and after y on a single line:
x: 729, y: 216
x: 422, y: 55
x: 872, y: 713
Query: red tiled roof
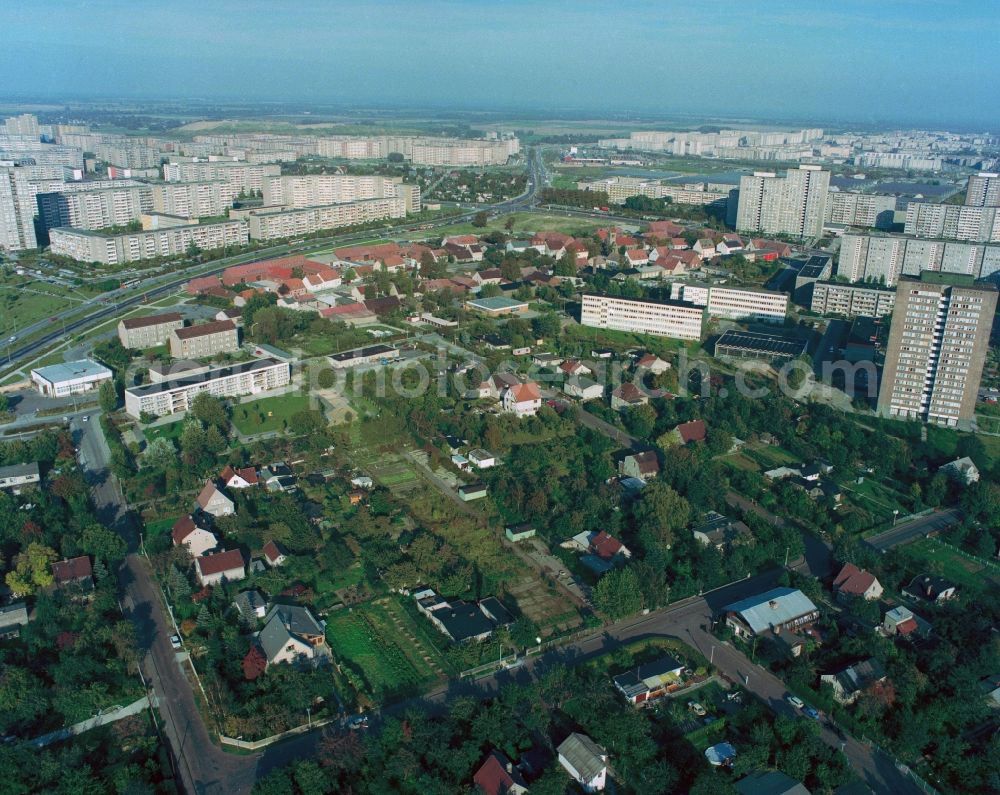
x: 220, y: 562
x: 524, y: 392
x: 628, y: 392
x: 367, y: 253
x: 493, y: 779
x: 605, y: 546
x: 151, y: 320
x: 206, y: 494
x: 202, y: 283
x: 271, y: 551
x: 67, y: 571
x: 183, y: 527
x: 356, y: 308
x: 852, y: 580
x: 204, y: 329
x: 693, y: 431
x: 907, y: 626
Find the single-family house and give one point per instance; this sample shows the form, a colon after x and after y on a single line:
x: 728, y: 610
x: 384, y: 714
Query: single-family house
x: 15, y: 477
x: 930, y: 588
x: 12, y: 618
x: 522, y: 400
x: 650, y: 681
x: 212, y: 500
x: 242, y: 478
x: 482, y: 459
x: 854, y: 583
x: 652, y: 363
x: 251, y: 605
x: 520, y: 532
x: 628, y: 395
x: 583, y: 388
x: 905, y: 623
x: 472, y: 491
x: 850, y: 682
x: 574, y: 367
x: 644, y: 465
x: 498, y: 776
x: 197, y: 539
x: 705, y: 248
x: 721, y: 532
x: 961, y: 470
x: 585, y: 761
x: 770, y: 612
x: 771, y: 782
x: 462, y: 621
x: 281, y: 644
x: 687, y: 432
x: 74, y: 573
x: 274, y: 554
x: 220, y: 566
x: 990, y: 686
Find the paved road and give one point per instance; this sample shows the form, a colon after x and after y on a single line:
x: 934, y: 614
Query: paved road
x: 915, y: 529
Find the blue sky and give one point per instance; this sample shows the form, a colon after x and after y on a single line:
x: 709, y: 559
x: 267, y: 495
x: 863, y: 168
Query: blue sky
x: 883, y: 61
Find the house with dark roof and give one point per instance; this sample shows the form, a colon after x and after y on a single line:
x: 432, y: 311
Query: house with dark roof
x: 687, y: 432
x: 647, y: 682
x: 903, y: 622
x: 772, y: 612
x: 12, y: 618
x: 498, y: 776
x: 627, y: 395
x: 291, y: 634
x: 721, y: 532
x: 930, y: 588
x: 74, y: 573
x: 15, y: 477
x: 251, y: 605
x: 585, y: 761
x: 462, y: 621
x: 769, y: 782
x: 854, y: 583
x: 849, y: 683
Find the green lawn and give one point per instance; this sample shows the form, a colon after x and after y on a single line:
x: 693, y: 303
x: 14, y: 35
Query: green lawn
x: 171, y: 431
x: 929, y: 553
x: 19, y: 307
x: 159, y: 527
x: 768, y: 456
x: 371, y: 646
x: 269, y: 414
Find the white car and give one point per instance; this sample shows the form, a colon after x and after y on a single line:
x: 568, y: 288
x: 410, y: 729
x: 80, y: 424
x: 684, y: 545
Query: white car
x: 795, y: 701
x: 697, y: 709
x: 175, y: 641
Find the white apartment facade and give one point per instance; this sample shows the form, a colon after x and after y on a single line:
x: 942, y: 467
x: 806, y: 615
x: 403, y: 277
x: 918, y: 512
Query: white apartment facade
x: 203, y: 199
x: 677, y: 320
x: 17, y: 209
x: 884, y: 258
x: 177, y: 394
x: 89, y: 246
x: 204, y: 339
x: 242, y: 177
x: 761, y: 306
x: 96, y: 209
x: 793, y: 205
x: 621, y: 188
x: 953, y: 221
x: 276, y: 224
x: 860, y: 209
x: 983, y: 190
x: 148, y: 332
x: 850, y: 300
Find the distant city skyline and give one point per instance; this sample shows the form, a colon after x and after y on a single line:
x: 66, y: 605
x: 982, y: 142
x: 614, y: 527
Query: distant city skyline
x: 897, y: 62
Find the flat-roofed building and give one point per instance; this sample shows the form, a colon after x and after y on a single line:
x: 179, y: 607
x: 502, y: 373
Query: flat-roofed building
x: 372, y: 354
x: 177, y: 394
x: 496, y: 306
x: 793, y: 205
x: 204, y: 199
x: 148, y: 332
x: 735, y: 303
x: 675, y: 319
x: 860, y: 209
x: 242, y: 177
x: 94, y: 209
x: 204, y: 339
x: 850, y: 300
x: 273, y: 224
x: 884, y: 258
x: 619, y: 189
x: 16, y: 476
x: 953, y: 221
x: 85, y: 245
x: 773, y: 348
x: 937, y: 347
x: 70, y: 378
x: 983, y: 190
x: 318, y: 190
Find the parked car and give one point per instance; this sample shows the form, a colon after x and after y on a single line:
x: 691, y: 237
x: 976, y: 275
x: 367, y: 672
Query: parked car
x: 358, y: 722
x: 697, y: 709
x: 810, y: 712
x: 175, y: 641
x: 795, y: 701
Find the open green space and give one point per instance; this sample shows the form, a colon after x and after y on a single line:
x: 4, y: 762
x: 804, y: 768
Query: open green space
x: 269, y: 414
x: 368, y: 643
x: 932, y: 555
x: 20, y: 307
x: 170, y: 430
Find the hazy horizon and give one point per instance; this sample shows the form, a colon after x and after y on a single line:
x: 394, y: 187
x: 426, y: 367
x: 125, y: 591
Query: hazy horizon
x: 905, y: 63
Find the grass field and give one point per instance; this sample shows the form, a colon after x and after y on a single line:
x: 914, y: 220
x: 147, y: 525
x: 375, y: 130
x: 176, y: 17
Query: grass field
x: 936, y: 556
x: 372, y: 640
x: 171, y: 431
x: 524, y: 223
x: 269, y: 414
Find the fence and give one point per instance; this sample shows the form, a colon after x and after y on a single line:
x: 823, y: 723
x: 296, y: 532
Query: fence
x: 103, y: 719
x: 256, y: 745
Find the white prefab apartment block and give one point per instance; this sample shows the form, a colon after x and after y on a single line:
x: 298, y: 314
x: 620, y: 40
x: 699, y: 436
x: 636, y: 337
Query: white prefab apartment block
x: 71, y: 378
x: 148, y: 332
x: 204, y: 339
x: 953, y: 221
x: 884, y: 258
x: 793, y: 205
x: 674, y: 319
x: 177, y: 394
x: 851, y: 300
x: 280, y: 223
x: 85, y: 245
x: 762, y: 306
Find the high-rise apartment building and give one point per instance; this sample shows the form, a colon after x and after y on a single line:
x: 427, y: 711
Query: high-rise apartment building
x: 86, y: 245
x: 26, y: 124
x: 884, y: 258
x: 983, y: 190
x: 242, y: 177
x: 205, y: 199
x: 318, y: 190
x: 851, y: 300
x: 937, y: 346
x: 793, y: 205
x: 95, y: 209
x: 17, y: 209
x: 953, y: 221
x: 860, y: 209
